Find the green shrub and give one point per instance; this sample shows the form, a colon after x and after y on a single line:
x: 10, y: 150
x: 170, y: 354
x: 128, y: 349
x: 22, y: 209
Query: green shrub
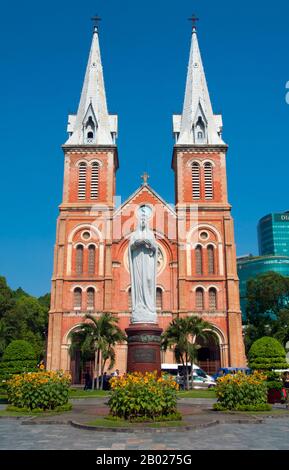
x: 261, y: 407
x: 241, y: 390
x: 143, y: 396
x: 266, y: 354
x: 58, y: 409
x: 18, y: 357
x: 39, y: 390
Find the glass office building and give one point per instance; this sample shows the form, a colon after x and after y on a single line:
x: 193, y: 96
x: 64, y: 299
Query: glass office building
x: 251, y: 266
x: 273, y: 234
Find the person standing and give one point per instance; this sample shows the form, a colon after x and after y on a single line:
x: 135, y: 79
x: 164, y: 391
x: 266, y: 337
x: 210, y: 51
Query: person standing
x: 286, y: 388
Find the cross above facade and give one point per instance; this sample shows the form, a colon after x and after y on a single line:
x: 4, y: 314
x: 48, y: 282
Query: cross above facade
x: 145, y: 177
x: 96, y: 19
x: 194, y: 19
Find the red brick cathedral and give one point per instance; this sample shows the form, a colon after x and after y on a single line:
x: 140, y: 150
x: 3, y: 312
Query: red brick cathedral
x: 196, y: 257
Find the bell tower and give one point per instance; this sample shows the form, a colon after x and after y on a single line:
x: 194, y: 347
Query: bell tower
x: 82, y: 277
x: 207, y: 273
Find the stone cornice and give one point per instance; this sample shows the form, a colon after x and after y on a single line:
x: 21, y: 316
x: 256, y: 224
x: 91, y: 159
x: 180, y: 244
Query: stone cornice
x: 186, y: 207
x: 201, y: 149
x: 86, y: 149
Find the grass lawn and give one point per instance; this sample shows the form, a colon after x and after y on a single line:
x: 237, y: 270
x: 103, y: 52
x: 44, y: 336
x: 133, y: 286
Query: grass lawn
x: 78, y: 393
x: 121, y: 423
x: 208, y: 393
x: 7, y: 413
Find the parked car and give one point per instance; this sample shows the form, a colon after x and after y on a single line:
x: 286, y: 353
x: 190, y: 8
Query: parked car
x: 231, y: 370
x: 200, y: 378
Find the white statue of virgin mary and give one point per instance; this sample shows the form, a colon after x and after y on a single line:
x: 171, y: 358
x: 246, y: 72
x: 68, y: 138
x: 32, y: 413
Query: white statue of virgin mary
x: 143, y: 271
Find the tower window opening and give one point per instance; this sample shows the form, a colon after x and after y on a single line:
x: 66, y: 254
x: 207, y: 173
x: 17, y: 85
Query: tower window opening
x: 82, y: 180
x: 211, y: 260
x: 159, y: 299
x: 77, y: 298
x: 199, y: 260
x: 213, y: 299
x: 94, y: 180
x: 79, y: 259
x: 199, y: 299
x: 209, y: 192
x: 91, y: 259
x: 196, y: 173
x: 90, y: 298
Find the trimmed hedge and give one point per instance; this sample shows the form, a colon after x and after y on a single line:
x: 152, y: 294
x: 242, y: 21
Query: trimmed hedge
x: 266, y: 354
x: 18, y: 357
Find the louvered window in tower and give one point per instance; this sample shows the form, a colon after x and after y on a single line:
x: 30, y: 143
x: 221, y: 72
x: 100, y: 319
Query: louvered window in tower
x: 209, y: 193
x: 159, y: 299
x: 211, y: 260
x: 77, y: 298
x: 196, y: 180
x: 91, y: 259
x: 82, y: 180
x: 199, y: 260
x: 90, y: 298
x: 213, y: 299
x: 94, y: 180
x: 199, y: 299
x: 79, y: 259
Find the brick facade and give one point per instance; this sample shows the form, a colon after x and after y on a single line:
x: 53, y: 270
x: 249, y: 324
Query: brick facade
x: 197, y: 271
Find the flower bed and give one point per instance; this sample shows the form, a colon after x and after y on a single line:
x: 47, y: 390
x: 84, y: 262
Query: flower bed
x: 140, y: 397
x: 40, y: 390
x: 242, y: 392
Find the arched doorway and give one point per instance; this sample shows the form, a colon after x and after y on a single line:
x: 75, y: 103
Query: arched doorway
x: 80, y: 363
x: 209, y: 353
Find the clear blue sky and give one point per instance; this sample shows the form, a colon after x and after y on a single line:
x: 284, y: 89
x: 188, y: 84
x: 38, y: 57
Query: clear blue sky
x: 145, y: 46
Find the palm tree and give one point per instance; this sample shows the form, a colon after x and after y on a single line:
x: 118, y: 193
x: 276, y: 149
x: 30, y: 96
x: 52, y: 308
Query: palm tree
x: 98, y: 337
x: 181, y: 337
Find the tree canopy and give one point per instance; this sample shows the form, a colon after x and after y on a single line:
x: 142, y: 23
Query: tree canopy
x: 23, y: 317
x: 267, y: 308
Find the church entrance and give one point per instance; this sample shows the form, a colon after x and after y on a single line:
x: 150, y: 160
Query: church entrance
x: 209, y: 355
x: 81, y: 363
x: 79, y: 368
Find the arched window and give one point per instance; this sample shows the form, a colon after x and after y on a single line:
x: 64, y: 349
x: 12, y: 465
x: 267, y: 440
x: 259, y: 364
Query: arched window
x: 90, y: 298
x: 77, y: 302
x: 94, y: 180
x: 200, y: 299
x: 159, y: 299
x: 211, y: 259
x: 82, y: 168
x: 200, y: 135
x: 196, y: 180
x: 199, y: 260
x: 79, y: 259
x: 209, y: 193
x: 200, y: 131
x: 212, y: 299
x: 129, y: 299
x: 90, y: 127
x: 91, y: 259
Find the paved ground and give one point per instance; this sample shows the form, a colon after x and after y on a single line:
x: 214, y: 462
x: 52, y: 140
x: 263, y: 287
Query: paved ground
x: 55, y: 432
x: 273, y: 434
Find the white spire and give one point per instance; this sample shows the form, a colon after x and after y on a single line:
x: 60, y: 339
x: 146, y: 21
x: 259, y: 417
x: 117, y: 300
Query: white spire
x: 92, y: 125
x: 197, y: 125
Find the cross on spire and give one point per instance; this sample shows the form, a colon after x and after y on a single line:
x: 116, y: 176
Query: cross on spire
x: 96, y: 19
x: 145, y: 177
x: 194, y: 19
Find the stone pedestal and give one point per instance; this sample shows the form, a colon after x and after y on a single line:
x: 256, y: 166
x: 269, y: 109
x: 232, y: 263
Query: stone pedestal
x: 144, y: 348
